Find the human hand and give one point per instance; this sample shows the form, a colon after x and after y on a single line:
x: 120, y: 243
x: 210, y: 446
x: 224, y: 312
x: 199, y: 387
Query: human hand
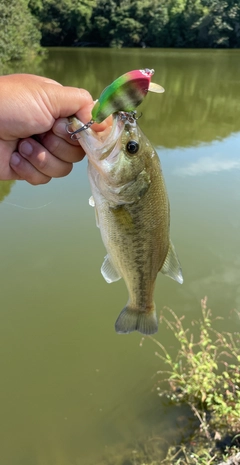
x: 34, y: 143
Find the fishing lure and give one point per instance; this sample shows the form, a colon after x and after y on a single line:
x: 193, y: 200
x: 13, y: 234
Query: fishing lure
x: 123, y: 94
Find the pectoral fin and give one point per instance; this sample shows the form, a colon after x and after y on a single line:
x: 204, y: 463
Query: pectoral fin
x: 108, y: 271
x: 171, y: 266
x: 91, y: 201
x: 92, y: 204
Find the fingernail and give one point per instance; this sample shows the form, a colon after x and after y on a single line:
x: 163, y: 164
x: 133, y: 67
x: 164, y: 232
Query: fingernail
x: 15, y: 159
x: 25, y: 148
x: 60, y: 128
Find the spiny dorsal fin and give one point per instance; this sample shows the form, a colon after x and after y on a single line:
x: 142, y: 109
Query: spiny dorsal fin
x: 171, y: 266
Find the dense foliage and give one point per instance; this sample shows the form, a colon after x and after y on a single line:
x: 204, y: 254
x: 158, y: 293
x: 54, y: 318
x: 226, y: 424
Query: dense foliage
x: 19, y: 34
x: 62, y: 22
x: 134, y: 23
x: 117, y: 23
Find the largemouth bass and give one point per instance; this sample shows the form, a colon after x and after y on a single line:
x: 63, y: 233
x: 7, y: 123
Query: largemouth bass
x: 132, y: 212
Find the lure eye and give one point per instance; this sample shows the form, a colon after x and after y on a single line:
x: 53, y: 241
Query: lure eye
x: 132, y: 147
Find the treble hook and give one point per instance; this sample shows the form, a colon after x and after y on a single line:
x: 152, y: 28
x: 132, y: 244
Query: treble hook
x: 130, y: 116
x: 138, y: 117
x: 83, y: 128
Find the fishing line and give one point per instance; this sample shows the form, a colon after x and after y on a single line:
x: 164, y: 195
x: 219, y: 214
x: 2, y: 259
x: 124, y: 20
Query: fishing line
x: 27, y: 208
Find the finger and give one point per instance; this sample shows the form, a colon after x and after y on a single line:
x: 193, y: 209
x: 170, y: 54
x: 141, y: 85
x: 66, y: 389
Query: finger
x: 6, y: 149
x: 99, y: 127
x: 66, y: 101
x: 26, y: 171
x: 60, y: 128
x: 61, y: 125
x: 62, y: 148
x: 42, y: 160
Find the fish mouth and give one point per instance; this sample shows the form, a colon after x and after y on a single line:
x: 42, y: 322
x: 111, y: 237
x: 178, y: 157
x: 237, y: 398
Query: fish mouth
x: 98, y: 144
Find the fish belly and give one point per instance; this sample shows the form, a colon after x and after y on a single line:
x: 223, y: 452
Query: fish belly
x: 136, y: 237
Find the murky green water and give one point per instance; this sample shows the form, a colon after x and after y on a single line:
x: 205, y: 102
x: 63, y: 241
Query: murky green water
x: 71, y: 389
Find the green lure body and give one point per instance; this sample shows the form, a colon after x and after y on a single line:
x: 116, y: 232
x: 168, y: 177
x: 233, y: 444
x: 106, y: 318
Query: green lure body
x: 124, y: 94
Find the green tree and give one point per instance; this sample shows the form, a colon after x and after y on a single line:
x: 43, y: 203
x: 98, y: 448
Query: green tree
x: 220, y: 27
x: 18, y: 31
x: 102, y: 25
x: 62, y: 22
x: 134, y: 23
x: 156, y: 31
x: 127, y: 24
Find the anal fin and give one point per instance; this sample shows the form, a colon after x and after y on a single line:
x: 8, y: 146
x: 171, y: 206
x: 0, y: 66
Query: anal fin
x: 171, y: 266
x: 108, y: 271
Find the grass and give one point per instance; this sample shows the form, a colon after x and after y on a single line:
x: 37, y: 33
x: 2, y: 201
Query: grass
x: 205, y: 375
x: 203, y: 372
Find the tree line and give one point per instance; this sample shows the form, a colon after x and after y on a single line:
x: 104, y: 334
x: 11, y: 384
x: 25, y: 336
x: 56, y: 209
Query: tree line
x: 27, y: 24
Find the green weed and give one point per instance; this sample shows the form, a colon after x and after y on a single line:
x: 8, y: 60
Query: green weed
x: 205, y: 374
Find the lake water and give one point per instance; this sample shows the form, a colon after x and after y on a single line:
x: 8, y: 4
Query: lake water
x: 72, y: 391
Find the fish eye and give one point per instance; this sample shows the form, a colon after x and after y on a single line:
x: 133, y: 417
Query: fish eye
x: 132, y: 147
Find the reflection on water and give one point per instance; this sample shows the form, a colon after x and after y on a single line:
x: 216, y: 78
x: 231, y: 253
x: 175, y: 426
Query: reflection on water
x: 71, y: 389
x: 212, y: 159
x: 29, y: 65
x: 202, y: 88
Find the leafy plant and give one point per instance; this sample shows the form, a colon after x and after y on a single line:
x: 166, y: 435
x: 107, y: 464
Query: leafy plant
x: 19, y: 35
x: 205, y: 374
x: 138, y: 23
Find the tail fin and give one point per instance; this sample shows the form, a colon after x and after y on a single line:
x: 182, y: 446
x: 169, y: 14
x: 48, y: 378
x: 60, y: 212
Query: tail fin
x: 133, y: 320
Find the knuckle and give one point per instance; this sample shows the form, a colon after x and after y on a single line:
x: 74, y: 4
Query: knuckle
x: 66, y: 169
x: 54, y: 144
x: 42, y: 161
x: 51, y: 142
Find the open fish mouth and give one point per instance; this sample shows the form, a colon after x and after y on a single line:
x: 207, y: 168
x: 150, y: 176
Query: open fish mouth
x: 100, y: 144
